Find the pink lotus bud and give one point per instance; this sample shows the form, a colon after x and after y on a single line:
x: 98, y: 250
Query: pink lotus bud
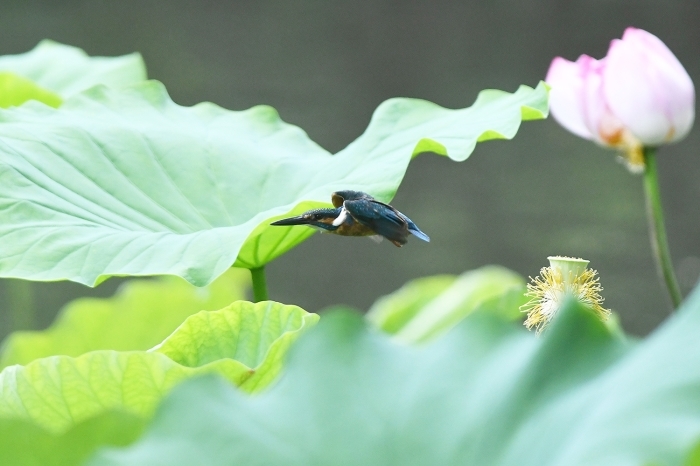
x: 638, y: 95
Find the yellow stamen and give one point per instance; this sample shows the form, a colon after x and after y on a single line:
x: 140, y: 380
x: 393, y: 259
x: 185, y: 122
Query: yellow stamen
x: 564, y: 277
x: 634, y: 159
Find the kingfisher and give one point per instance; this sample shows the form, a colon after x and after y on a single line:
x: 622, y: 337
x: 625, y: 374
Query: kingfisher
x: 355, y: 213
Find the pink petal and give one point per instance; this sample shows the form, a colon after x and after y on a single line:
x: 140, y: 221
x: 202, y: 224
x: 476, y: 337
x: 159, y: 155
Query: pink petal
x: 605, y: 127
x: 680, y: 103
x: 566, y: 96
x: 648, y: 89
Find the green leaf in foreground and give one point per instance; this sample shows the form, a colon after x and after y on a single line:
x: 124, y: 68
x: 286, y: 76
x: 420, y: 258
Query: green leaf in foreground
x: 488, y: 393
x: 392, y: 312
x: 126, y: 182
x: 428, y: 307
x: 24, y: 444
x: 244, y: 342
x: 66, y: 70
x: 138, y: 317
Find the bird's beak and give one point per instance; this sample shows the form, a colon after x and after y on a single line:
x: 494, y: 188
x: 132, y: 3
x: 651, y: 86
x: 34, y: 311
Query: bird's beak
x: 300, y: 220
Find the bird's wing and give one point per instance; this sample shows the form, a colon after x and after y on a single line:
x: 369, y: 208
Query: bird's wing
x: 412, y: 227
x: 381, y: 218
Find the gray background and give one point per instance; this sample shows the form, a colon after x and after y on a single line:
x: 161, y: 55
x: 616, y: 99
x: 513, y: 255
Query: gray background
x: 327, y: 65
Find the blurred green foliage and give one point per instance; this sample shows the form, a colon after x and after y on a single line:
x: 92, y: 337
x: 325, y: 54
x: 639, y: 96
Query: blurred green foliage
x: 428, y: 307
x: 244, y: 342
x: 15, y: 90
x: 140, y: 315
x: 488, y: 392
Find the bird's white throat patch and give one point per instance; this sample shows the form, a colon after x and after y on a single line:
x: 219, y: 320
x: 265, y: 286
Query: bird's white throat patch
x: 341, y: 217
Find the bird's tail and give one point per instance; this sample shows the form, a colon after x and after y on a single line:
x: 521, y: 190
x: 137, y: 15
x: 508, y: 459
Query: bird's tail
x: 417, y: 233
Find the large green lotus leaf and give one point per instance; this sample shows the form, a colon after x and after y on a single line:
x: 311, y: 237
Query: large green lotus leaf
x: 22, y: 443
x: 15, y: 90
x: 257, y: 335
x: 126, y: 182
x: 487, y: 393
x: 66, y: 70
x: 140, y: 315
x: 244, y: 342
x: 428, y: 307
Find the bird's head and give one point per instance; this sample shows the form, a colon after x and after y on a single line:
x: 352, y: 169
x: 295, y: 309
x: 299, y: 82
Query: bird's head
x: 339, y: 197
